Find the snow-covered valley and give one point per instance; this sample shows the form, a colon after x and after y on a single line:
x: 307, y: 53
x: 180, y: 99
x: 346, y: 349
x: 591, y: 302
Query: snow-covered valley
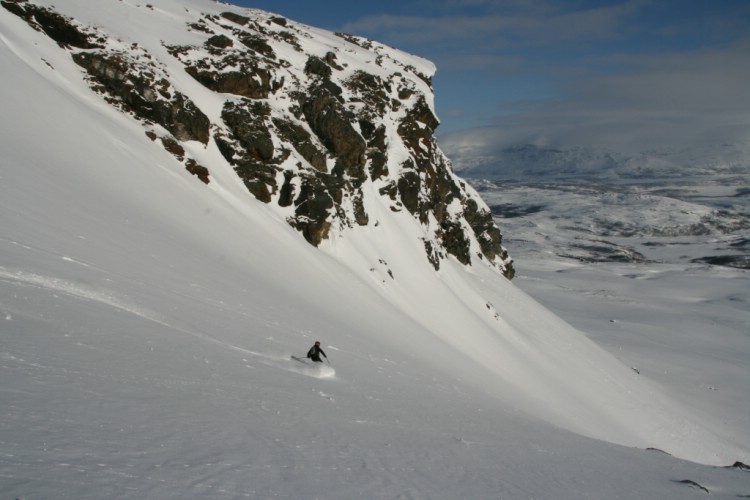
x: 147, y: 322
x: 632, y: 269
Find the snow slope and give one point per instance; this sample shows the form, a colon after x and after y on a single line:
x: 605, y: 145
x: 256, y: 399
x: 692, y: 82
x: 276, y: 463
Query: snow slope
x: 146, y: 324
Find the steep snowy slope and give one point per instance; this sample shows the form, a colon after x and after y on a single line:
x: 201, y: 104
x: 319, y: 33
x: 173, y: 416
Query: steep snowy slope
x: 317, y: 125
x: 148, y: 319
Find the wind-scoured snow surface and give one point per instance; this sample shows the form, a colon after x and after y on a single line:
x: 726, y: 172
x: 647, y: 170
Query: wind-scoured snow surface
x: 147, y: 322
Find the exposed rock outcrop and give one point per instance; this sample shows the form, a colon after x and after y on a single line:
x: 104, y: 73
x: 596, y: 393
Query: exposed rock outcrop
x: 334, y: 127
x: 311, y: 125
x: 65, y: 31
x: 134, y: 87
x: 249, y: 147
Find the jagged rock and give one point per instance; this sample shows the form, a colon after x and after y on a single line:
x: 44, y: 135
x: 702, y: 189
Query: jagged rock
x: 173, y: 147
x: 301, y: 139
x: 201, y: 26
x: 409, y: 188
x: 356, y: 40
x: 197, y: 169
x: 57, y: 27
x: 236, y: 18
x: 333, y: 126
x: 137, y: 90
x: 332, y: 89
x: 416, y: 130
x: 220, y: 41
x: 372, y: 89
x: 259, y: 178
x: 313, y: 207
x: 360, y: 215
x: 231, y: 70
x: 391, y: 191
x: 278, y: 20
x: 455, y: 241
x: 286, y: 193
x: 316, y: 66
x: 433, y: 255
x: 257, y: 44
x: 376, y: 146
x: 487, y: 233
x: 249, y: 148
x: 331, y: 61
x: 289, y: 38
x: 250, y: 80
x: 248, y: 125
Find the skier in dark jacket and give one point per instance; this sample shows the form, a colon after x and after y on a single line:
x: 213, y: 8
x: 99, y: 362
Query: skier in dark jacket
x: 315, y: 352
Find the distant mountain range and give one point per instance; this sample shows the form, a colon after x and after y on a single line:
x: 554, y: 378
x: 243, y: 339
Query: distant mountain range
x: 529, y: 162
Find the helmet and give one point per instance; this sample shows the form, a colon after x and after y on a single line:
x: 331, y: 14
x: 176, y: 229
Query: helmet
x: 317, y: 342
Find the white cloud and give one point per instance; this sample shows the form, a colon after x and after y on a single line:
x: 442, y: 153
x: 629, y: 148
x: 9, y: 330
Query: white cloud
x: 503, y: 24
x: 630, y: 75
x: 666, y: 100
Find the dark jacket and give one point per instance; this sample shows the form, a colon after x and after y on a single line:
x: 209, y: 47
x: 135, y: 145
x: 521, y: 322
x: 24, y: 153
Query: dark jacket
x: 315, y: 352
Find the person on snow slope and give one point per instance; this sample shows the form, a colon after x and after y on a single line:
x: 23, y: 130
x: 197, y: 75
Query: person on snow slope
x: 315, y: 352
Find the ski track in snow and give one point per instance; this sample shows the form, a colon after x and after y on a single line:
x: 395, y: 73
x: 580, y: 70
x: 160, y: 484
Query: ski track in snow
x: 58, y: 285
x: 74, y: 290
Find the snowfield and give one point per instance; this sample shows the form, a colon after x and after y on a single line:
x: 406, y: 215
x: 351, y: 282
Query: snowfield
x: 147, y: 322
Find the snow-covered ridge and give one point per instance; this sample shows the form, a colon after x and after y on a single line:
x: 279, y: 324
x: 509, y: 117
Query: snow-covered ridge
x: 320, y: 126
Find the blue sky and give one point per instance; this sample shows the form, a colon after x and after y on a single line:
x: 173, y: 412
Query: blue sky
x: 615, y: 71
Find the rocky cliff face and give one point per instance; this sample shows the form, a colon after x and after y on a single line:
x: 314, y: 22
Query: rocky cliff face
x: 312, y: 122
